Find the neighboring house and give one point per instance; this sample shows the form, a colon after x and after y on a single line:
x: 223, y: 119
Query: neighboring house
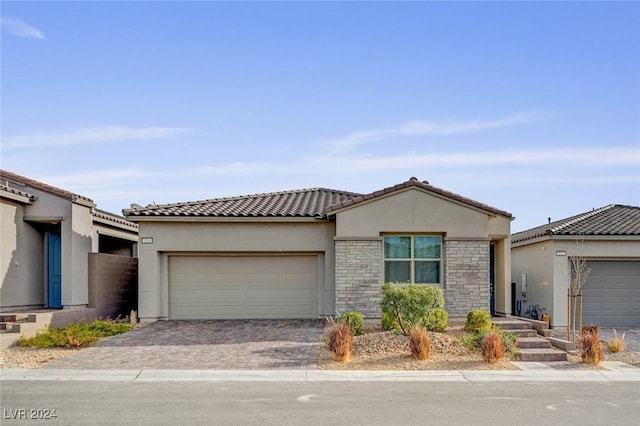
x: 609, y: 238
x: 314, y: 252
x: 59, y: 251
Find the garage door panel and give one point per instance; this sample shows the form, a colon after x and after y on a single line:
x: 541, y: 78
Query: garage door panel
x: 217, y: 287
x: 611, y: 295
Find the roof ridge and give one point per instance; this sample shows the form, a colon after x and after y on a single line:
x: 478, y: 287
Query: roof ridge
x: 579, y: 218
x: 424, y: 185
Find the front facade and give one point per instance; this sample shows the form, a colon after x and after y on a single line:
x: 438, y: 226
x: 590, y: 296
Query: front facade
x: 318, y: 252
x: 47, y: 234
x: 608, y: 239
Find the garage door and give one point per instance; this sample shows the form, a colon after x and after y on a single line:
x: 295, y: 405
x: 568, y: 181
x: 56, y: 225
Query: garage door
x: 234, y: 287
x: 611, y: 296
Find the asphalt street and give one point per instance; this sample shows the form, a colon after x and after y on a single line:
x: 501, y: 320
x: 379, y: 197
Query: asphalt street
x: 320, y: 403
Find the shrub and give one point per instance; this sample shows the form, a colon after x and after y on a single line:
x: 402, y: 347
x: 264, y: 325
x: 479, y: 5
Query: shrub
x: 388, y: 322
x: 339, y: 340
x: 616, y: 343
x: 419, y: 343
x: 473, y: 341
x: 509, y: 339
x: 589, y: 345
x: 492, y: 347
x: 590, y: 329
x: 404, y: 305
x: 355, y: 320
x: 76, y: 335
x: 478, y: 320
x: 436, y: 320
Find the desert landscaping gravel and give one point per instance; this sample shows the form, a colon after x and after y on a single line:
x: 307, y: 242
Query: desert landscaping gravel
x: 26, y: 357
x: 384, y: 350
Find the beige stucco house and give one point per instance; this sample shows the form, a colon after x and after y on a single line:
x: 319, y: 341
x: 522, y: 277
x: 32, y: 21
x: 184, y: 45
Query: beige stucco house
x: 609, y: 239
x: 314, y: 252
x: 59, y: 251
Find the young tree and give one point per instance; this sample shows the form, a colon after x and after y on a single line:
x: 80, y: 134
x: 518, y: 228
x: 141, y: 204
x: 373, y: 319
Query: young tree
x: 579, y: 271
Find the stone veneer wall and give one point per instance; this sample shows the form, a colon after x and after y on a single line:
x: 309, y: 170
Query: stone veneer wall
x: 466, y: 276
x: 359, y: 276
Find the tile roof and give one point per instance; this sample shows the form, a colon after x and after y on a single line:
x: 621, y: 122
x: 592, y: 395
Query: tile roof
x: 8, y: 177
x: 314, y: 202
x: 15, y: 191
x: 110, y: 217
x: 611, y: 220
x: 415, y: 183
x: 299, y: 203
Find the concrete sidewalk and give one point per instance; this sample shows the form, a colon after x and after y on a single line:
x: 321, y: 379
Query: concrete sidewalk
x: 540, y: 374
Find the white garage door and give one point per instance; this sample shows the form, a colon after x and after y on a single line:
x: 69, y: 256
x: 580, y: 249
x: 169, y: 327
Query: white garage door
x: 235, y: 287
x: 611, y: 296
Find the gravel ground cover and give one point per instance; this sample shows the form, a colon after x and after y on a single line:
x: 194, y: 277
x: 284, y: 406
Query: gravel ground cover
x: 383, y: 350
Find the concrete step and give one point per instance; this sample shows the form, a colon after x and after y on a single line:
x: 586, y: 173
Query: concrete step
x: 533, y: 343
x: 8, y: 318
x: 541, y: 355
x: 512, y: 324
x: 525, y: 333
x: 9, y: 327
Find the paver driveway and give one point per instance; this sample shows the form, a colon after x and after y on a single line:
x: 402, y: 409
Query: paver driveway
x: 224, y: 345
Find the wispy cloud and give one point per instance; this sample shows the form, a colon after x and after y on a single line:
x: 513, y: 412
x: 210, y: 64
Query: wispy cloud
x: 567, y: 158
x: 18, y: 28
x: 427, y: 128
x: 616, y: 158
x: 90, y: 135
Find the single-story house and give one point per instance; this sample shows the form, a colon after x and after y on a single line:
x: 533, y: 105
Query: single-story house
x: 608, y: 239
x: 316, y: 252
x: 60, y: 252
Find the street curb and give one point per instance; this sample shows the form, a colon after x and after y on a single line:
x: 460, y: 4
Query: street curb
x: 151, y: 375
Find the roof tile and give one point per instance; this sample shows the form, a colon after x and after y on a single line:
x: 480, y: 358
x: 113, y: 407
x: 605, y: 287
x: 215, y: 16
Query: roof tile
x: 614, y: 219
x: 8, y: 176
x: 299, y: 203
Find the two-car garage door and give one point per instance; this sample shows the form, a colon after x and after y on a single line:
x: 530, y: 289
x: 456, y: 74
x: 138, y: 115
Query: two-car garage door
x: 233, y: 287
x: 611, y: 295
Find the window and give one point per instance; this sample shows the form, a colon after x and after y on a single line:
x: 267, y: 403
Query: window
x: 413, y: 259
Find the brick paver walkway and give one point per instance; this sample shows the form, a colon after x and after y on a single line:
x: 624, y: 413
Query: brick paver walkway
x: 224, y: 345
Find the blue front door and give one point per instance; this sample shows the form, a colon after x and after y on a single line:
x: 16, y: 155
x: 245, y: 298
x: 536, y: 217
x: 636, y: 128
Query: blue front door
x: 54, y: 270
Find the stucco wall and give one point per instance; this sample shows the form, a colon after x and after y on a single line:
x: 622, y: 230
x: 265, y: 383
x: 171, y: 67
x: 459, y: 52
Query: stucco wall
x: 22, y: 262
x: 548, y: 274
x: 412, y: 211
x: 536, y: 261
x: 24, y: 226
x: 171, y: 238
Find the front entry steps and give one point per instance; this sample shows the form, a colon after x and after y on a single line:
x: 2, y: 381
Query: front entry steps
x: 532, y: 344
x: 12, y: 326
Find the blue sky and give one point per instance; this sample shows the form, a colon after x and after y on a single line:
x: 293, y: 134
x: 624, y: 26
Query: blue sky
x: 533, y: 108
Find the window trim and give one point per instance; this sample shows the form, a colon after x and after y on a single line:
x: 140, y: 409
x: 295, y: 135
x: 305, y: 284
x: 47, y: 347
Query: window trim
x: 412, y: 260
